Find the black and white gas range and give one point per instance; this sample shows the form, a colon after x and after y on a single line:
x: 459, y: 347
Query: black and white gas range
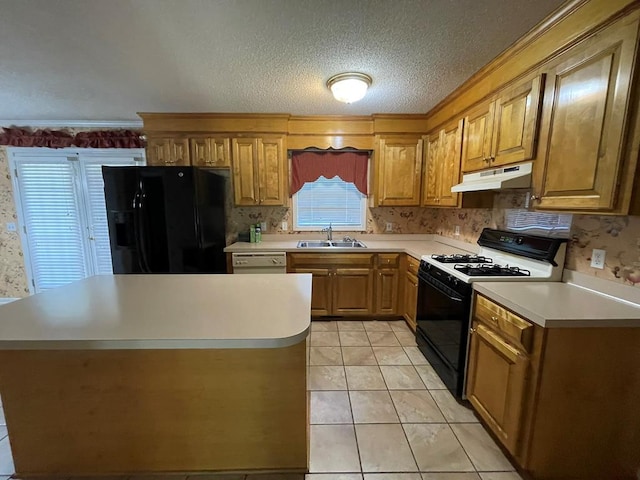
x: 445, y: 290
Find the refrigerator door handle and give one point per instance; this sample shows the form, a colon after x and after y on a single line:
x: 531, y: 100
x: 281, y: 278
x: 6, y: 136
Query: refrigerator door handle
x: 141, y: 233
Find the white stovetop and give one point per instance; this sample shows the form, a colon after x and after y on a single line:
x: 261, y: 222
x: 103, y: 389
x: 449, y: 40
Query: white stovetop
x: 162, y: 311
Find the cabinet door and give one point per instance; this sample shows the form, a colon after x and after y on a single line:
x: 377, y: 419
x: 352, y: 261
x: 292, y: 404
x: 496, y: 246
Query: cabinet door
x: 387, y: 291
x: 431, y: 182
x: 410, y: 299
x: 496, y: 380
x: 245, y: 175
x: 587, y: 102
x: 271, y: 171
x: 450, y: 158
x: 399, y: 171
x: 167, y: 152
x: 320, y: 290
x: 476, y: 146
x: 515, y: 130
x: 211, y: 152
x: 352, y: 291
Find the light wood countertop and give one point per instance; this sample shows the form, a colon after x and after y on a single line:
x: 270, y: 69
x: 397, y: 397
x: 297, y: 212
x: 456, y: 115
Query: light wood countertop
x: 162, y: 312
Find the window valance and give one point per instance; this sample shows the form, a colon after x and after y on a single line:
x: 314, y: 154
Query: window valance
x: 24, y: 137
x: 349, y: 166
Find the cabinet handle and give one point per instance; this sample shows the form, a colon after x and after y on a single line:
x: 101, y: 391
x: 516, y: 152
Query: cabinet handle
x: 472, y: 331
x: 495, y: 319
x: 492, y: 158
x: 535, y: 198
x: 486, y: 159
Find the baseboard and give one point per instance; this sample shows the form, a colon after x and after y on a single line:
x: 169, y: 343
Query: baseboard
x: 7, y: 300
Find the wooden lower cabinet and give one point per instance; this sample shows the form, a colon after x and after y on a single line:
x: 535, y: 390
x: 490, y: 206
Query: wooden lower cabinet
x: 352, y: 291
x: 410, y: 291
x: 496, y: 382
x: 562, y: 401
x: 321, y: 298
x: 346, y: 284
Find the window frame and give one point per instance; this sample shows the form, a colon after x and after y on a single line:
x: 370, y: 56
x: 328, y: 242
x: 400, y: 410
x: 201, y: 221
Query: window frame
x: 73, y: 155
x: 319, y: 228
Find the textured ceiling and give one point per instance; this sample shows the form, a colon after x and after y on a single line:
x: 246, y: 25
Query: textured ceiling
x: 108, y: 59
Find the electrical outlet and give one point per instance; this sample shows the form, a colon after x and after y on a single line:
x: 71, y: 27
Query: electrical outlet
x: 389, y: 227
x: 456, y: 230
x: 263, y: 227
x: 597, y: 258
x: 285, y: 226
x: 11, y: 227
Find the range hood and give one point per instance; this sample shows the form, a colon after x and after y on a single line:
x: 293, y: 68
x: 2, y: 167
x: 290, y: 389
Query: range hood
x: 518, y: 176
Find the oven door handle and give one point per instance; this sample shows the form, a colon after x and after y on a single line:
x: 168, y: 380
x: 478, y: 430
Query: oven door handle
x: 434, y: 283
x: 450, y: 297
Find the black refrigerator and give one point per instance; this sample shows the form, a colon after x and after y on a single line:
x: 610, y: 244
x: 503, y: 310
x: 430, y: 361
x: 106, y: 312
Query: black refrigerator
x: 165, y: 219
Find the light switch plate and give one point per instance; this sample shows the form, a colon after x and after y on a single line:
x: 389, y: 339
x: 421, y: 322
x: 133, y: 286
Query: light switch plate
x: 11, y: 227
x: 285, y: 226
x: 456, y: 230
x: 263, y: 227
x: 389, y: 227
x: 597, y: 258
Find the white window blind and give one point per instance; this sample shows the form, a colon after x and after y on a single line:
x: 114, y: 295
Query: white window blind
x: 329, y: 201
x: 62, y: 212
x: 538, y: 223
x: 96, y: 211
x: 49, y: 205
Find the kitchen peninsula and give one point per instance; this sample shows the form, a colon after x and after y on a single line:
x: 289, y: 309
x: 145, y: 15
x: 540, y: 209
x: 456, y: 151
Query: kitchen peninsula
x: 158, y: 373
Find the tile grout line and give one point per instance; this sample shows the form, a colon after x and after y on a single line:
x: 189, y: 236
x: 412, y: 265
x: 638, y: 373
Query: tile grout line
x: 413, y: 455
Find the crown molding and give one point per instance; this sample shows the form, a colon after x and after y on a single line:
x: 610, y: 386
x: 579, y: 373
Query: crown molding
x: 73, y: 123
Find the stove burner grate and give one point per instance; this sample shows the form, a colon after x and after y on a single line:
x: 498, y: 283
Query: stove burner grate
x: 492, y: 270
x: 461, y: 258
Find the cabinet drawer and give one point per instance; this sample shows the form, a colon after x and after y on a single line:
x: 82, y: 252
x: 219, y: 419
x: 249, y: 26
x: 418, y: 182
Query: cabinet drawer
x: 329, y: 259
x: 412, y: 265
x: 507, y: 323
x: 388, y: 260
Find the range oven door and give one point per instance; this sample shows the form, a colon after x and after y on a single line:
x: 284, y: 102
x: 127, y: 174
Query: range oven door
x: 443, y: 324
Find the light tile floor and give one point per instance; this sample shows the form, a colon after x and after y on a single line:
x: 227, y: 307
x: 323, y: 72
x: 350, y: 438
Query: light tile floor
x: 378, y: 412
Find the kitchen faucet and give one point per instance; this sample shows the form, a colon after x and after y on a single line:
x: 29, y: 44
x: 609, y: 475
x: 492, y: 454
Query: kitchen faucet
x: 329, y: 231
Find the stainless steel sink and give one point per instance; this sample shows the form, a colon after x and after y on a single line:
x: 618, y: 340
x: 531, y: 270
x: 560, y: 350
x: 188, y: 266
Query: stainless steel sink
x: 314, y: 244
x: 330, y: 244
x: 354, y: 244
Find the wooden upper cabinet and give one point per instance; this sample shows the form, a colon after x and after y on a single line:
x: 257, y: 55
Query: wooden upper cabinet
x: 450, y: 157
x: 212, y: 152
x: 272, y: 172
x: 587, y: 104
x: 505, y: 130
x: 169, y: 151
x: 430, y: 183
x: 399, y: 168
x: 259, y: 171
x: 476, y: 147
x: 516, y: 123
x: 442, y: 166
x: 245, y: 175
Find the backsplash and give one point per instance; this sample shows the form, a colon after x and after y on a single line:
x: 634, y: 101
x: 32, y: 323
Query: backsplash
x: 619, y: 236
x: 13, y: 279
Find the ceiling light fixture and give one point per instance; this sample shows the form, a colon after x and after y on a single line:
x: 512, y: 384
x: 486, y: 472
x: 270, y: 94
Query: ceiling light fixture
x: 349, y: 87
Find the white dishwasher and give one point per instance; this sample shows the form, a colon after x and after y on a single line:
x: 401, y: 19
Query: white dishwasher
x: 259, y: 262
